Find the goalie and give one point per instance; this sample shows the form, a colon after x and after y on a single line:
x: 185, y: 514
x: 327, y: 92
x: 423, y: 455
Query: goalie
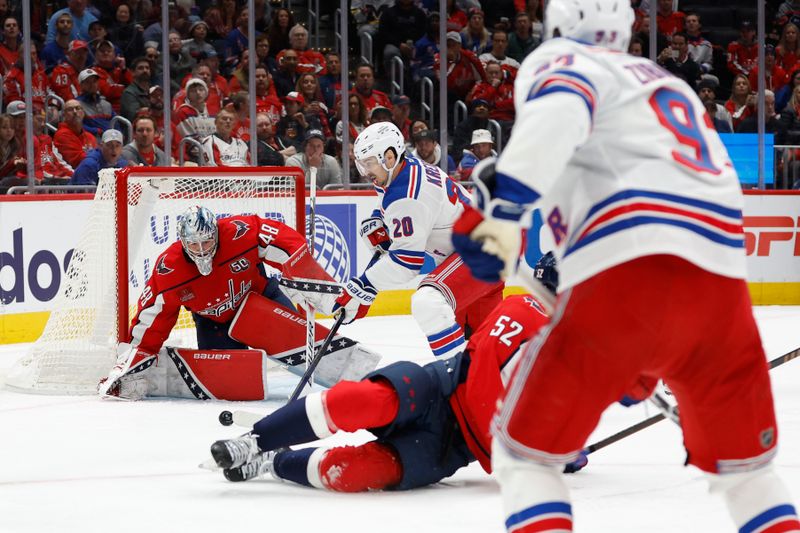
x: 216, y: 270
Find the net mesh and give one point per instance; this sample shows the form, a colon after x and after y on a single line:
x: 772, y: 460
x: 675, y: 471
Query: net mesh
x: 79, y: 342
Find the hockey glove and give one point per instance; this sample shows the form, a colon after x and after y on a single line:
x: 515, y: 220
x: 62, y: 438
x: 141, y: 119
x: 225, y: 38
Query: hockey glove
x: 490, y: 200
x: 127, y: 380
x: 577, y: 464
x: 483, y: 265
x: 375, y: 234
x: 641, y: 390
x: 358, y: 296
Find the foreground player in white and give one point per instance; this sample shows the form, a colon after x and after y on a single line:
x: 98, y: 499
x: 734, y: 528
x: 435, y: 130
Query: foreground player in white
x: 645, y: 209
x: 417, y: 207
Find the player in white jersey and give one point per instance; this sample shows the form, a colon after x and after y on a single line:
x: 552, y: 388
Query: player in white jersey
x: 645, y: 210
x: 417, y: 207
x: 222, y: 148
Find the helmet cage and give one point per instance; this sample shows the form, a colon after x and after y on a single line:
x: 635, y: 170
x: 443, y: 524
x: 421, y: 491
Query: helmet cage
x: 197, y: 227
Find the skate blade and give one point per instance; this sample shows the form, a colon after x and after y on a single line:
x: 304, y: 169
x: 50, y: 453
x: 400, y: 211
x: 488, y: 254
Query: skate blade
x: 210, y: 465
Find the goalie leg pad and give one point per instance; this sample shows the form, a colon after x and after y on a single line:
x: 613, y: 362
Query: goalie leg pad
x: 281, y: 332
x: 372, y: 466
x: 237, y: 375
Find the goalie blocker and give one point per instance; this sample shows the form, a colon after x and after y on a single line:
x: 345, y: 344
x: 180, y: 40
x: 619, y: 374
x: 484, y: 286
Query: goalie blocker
x: 277, y: 333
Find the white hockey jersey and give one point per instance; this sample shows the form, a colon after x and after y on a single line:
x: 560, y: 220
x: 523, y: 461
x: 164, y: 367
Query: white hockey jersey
x: 419, y: 207
x: 622, y: 160
x: 218, y: 153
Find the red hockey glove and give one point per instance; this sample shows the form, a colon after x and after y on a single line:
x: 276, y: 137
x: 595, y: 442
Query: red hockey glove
x: 375, y: 234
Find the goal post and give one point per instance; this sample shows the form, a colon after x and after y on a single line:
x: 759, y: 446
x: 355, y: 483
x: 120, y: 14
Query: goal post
x: 132, y: 220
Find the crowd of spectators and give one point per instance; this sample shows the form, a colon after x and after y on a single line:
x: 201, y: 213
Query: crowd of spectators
x: 101, y: 59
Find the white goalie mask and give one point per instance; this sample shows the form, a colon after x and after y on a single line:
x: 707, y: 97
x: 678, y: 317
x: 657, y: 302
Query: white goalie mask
x: 371, y: 145
x: 199, y: 236
x: 605, y: 23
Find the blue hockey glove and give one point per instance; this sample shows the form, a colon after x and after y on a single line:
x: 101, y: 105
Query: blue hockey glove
x: 483, y: 265
x: 577, y: 464
x: 497, y: 196
x: 355, y: 300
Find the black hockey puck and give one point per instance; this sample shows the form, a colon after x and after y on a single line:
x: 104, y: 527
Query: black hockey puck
x: 226, y: 418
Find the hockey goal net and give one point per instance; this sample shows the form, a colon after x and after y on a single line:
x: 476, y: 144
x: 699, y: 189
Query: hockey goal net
x: 133, y: 218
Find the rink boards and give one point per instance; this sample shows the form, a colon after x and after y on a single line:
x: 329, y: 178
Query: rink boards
x: 37, y: 237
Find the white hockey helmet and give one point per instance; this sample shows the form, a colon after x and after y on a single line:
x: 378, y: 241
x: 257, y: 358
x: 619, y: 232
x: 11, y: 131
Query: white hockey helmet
x: 372, y: 143
x: 605, y: 23
x: 199, y: 236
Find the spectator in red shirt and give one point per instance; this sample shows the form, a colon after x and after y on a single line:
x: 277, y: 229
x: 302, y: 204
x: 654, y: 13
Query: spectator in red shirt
x: 788, y: 50
x: 14, y: 83
x: 64, y: 77
x: 215, y: 94
x: 9, y: 48
x: 267, y: 100
x: 307, y: 60
x: 775, y: 76
x: 49, y: 165
x: 667, y: 20
x: 740, y: 104
x: 71, y: 140
x: 365, y: 81
x: 114, y: 77
x: 464, y: 68
x: 743, y: 53
x: 498, y: 90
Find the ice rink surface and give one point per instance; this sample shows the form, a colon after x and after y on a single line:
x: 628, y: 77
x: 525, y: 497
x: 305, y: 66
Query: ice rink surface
x: 79, y: 464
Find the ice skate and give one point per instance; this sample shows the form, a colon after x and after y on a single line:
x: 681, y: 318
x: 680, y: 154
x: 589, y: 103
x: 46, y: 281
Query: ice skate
x: 260, y: 465
x: 235, y: 452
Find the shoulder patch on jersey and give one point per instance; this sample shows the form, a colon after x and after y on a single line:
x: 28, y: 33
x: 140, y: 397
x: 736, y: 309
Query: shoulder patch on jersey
x: 161, y: 266
x: 241, y: 228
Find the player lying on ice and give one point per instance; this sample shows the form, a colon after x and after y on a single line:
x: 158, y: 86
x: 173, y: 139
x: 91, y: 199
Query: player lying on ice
x: 215, y: 271
x: 417, y: 207
x: 429, y: 420
x: 645, y: 209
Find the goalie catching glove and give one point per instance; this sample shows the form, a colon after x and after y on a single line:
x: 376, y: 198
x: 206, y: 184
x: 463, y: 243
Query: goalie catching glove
x: 358, y: 296
x: 375, y: 234
x: 487, y: 236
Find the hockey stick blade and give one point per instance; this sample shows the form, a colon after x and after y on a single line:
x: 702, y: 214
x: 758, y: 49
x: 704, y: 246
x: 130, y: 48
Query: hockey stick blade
x: 319, y: 355
x: 644, y: 424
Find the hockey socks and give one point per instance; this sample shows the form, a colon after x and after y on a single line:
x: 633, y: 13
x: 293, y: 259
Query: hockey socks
x: 297, y: 422
x: 372, y: 466
x: 535, y: 497
x: 757, y: 501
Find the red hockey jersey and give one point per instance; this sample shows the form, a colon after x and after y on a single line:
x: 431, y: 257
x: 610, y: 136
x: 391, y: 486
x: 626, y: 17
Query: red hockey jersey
x: 244, y: 241
x: 493, y: 350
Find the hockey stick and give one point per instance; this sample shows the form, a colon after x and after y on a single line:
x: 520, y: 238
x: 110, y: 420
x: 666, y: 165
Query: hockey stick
x: 774, y: 363
x: 310, y: 311
x: 318, y: 357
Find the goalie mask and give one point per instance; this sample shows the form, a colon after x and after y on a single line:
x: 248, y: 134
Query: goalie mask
x: 371, y: 146
x: 197, y: 231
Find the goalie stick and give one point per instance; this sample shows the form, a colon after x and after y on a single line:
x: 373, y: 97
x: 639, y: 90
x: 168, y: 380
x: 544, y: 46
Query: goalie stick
x: 599, y: 445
